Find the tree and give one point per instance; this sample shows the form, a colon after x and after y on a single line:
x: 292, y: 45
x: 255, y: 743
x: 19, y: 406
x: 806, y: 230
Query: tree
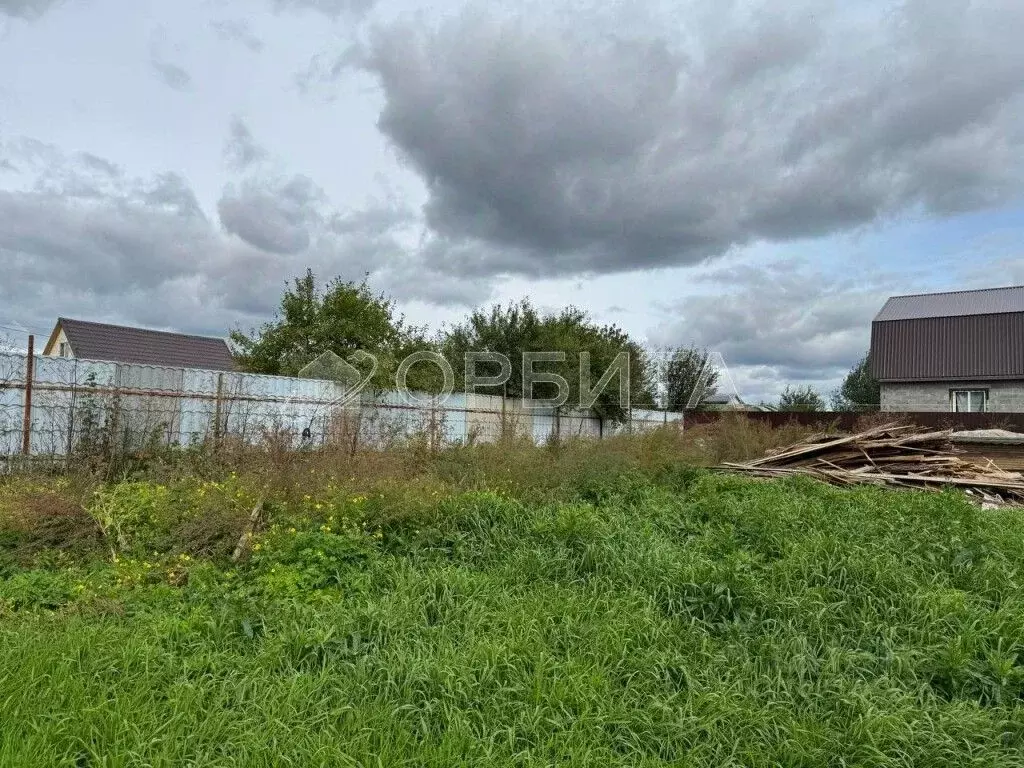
x: 860, y: 390
x: 802, y: 399
x: 517, y: 328
x: 342, y: 317
x: 682, y: 372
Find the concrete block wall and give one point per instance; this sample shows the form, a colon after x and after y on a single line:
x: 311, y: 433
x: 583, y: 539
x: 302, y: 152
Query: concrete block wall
x: 1003, y: 396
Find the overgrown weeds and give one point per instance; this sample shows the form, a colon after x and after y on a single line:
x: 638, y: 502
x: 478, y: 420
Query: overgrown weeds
x: 588, y: 604
x: 38, y: 520
x: 685, y: 619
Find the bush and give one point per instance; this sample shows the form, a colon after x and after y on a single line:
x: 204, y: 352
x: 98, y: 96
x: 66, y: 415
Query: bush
x: 42, y: 520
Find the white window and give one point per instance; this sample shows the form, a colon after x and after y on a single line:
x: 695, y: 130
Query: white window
x: 968, y: 400
x: 63, y: 350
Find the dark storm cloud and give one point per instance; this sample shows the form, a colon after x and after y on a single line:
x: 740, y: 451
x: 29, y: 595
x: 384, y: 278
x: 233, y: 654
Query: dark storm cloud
x: 237, y: 31
x: 100, y: 245
x: 85, y: 239
x: 171, y: 192
x: 785, y: 318
x: 273, y: 217
x: 26, y: 9
x: 571, y: 152
x: 241, y: 150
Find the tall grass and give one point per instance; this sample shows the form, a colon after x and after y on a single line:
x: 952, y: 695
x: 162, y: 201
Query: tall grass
x: 641, y: 613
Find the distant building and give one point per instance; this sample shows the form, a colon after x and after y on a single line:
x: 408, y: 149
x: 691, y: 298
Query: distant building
x: 139, y: 346
x: 721, y: 401
x: 956, y: 351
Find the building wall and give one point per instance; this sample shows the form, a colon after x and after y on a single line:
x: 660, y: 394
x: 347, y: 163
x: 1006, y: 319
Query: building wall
x: 1003, y: 396
x: 54, y: 351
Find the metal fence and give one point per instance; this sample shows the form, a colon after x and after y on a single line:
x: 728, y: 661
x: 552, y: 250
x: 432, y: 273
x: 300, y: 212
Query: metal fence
x: 58, y: 405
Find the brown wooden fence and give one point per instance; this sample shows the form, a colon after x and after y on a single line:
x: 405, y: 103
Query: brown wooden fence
x: 846, y: 421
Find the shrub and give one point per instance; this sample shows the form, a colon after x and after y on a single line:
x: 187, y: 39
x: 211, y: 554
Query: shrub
x: 41, y: 520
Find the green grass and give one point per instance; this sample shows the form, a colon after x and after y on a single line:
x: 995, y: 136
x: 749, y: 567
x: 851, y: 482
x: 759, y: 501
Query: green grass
x: 666, y: 618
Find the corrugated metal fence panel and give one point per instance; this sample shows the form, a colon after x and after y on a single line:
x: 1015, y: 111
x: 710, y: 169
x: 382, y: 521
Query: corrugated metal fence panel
x: 513, y: 417
x: 543, y: 424
x: 576, y: 424
x: 55, y: 380
x: 12, y: 369
x: 150, y: 378
x: 455, y: 418
x: 60, y: 371
x: 73, y: 398
x: 648, y: 420
x: 196, y: 422
x: 52, y: 422
x: 198, y: 405
x: 483, y: 418
x: 12, y: 403
x: 198, y: 382
x: 252, y: 405
x: 393, y: 416
x: 149, y: 411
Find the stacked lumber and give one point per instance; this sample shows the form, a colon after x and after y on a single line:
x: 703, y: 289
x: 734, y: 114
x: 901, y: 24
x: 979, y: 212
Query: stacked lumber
x: 890, y: 455
x: 980, y: 445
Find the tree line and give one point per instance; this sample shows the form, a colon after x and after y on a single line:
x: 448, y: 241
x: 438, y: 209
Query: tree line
x: 345, y: 317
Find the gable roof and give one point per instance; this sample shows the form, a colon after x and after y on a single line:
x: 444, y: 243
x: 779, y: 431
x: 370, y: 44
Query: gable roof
x: 123, y: 344
x: 988, y: 301
x: 722, y: 398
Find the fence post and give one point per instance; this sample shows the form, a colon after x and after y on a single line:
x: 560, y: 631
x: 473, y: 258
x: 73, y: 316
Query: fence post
x: 30, y: 370
x: 71, y: 414
x: 432, y: 440
x: 114, y: 414
x: 218, y: 404
x: 503, y: 427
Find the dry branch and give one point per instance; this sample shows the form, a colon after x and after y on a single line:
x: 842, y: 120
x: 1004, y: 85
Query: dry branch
x: 244, y: 545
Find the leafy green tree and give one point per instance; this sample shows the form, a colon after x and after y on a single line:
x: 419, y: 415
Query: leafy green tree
x: 519, y: 328
x: 682, y: 373
x: 801, y: 399
x: 860, y: 390
x: 341, y: 317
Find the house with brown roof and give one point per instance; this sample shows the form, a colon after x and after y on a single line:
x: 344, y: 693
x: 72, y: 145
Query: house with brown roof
x: 955, y: 351
x: 138, y: 346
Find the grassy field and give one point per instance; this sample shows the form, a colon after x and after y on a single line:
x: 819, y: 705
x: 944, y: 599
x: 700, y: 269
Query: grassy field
x: 586, y: 606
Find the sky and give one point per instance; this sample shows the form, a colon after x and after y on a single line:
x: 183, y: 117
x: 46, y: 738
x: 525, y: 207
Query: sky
x: 751, y: 177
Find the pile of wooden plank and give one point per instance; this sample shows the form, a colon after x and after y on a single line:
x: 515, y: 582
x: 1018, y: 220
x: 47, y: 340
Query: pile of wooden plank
x: 891, y: 455
x: 981, y: 445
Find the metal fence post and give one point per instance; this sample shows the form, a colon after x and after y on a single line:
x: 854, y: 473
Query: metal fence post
x: 217, y: 408
x: 71, y: 415
x: 30, y: 370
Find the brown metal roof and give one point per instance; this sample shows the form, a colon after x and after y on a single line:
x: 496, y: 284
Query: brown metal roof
x: 989, y: 301
x: 122, y: 344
